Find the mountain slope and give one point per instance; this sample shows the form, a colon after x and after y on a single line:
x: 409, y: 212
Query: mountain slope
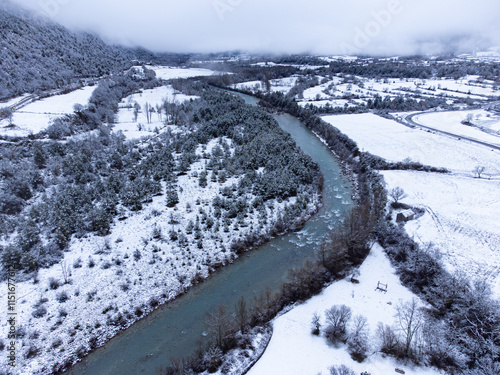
x: 36, y: 54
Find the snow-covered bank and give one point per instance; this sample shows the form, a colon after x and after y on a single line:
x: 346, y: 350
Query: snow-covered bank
x: 294, y: 350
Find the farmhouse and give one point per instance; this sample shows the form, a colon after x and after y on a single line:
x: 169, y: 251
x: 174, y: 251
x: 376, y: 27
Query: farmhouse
x: 405, y: 215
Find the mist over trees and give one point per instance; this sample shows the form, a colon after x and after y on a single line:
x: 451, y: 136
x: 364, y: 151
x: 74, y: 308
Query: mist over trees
x: 38, y: 55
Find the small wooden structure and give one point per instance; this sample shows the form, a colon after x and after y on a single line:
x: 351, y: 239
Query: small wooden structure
x: 405, y: 216
x: 381, y: 287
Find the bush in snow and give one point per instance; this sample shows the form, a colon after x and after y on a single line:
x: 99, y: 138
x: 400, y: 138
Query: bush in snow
x: 315, y: 324
x: 62, y: 296
x: 54, y: 283
x: 32, y: 351
x: 341, y: 370
x: 213, y: 358
x: 337, y: 318
x: 39, y: 311
x: 357, y: 343
x: 388, y: 339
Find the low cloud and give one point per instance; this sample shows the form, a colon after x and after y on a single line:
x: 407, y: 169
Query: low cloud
x: 386, y: 27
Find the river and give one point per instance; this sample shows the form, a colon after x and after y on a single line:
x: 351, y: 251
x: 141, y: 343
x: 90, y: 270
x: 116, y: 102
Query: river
x: 174, y: 330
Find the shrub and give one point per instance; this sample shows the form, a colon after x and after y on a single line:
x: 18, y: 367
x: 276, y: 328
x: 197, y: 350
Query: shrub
x: 32, y: 351
x: 54, y: 283
x: 81, y: 351
x: 315, y: 324
x: 77, y: 263
x: 56, y: 343
x: 91, y: 295
x: 62, y: 297
x: 137, y: 254
x: 39, y: 311
x: 337, y: 318
x: 341, y: 370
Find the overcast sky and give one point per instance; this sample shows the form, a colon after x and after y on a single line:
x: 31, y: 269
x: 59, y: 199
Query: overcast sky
x: 283, y: 26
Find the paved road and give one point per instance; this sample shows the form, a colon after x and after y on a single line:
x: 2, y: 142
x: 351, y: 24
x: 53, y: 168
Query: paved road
x: 412, y: 122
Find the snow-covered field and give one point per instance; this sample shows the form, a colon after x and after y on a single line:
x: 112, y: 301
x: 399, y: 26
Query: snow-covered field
x: 277, y: 85
x: 365, y: 88
x: 170, y: 72
x: 13, y: 101
x: 115, y: 280
x: 451, y: 122
x: 461, y: 210
x: 155, y: 98
x: 38, y: 115
x: 395, y: 142
x: 461, y: 220
x: 293, y: 350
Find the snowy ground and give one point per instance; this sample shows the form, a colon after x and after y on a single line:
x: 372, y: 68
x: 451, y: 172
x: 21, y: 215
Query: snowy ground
x: 38, y: 115
x: 461, y: 211
x: 395, y: 142
x: 365, y: 88
x: 133, y: 128
x: 452, y: 122
x: 293, y: 350
x: 169, y: 72
x: 277, y: 85
x: 13, y: 101
x: 461, y: 220
x: 121, y: 277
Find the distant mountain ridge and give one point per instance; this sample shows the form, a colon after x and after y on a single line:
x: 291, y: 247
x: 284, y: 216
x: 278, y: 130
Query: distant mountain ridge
x: 36, y: 54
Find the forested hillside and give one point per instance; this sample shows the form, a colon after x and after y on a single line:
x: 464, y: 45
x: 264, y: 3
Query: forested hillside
x: 36, y: 54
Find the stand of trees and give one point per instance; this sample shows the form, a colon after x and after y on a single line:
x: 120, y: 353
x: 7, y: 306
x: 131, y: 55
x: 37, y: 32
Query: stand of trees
x: 82, y: 184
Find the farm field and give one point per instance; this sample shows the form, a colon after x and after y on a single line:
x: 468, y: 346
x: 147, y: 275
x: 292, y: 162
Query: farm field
x: 169, y: 72
x: 460, y: 220
x: 38, y: 115
x: 134, y: 128
x: 484, y: 126
x: 396, y: 142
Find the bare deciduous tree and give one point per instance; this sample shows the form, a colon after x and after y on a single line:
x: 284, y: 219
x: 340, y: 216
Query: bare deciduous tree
x: 315, y: 324
x: 219, y: 324
x: 242, y: 314
x: 337, y: 318
x: 341, y: 370
x: 397, y: 194
x: 358, y: 339
x: 410, y: 322
x: 478, y: 170
x: 388, y: 338
x: 137, y: 109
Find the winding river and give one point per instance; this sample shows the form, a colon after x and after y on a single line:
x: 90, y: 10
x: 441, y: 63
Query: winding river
x: 174, y: 330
